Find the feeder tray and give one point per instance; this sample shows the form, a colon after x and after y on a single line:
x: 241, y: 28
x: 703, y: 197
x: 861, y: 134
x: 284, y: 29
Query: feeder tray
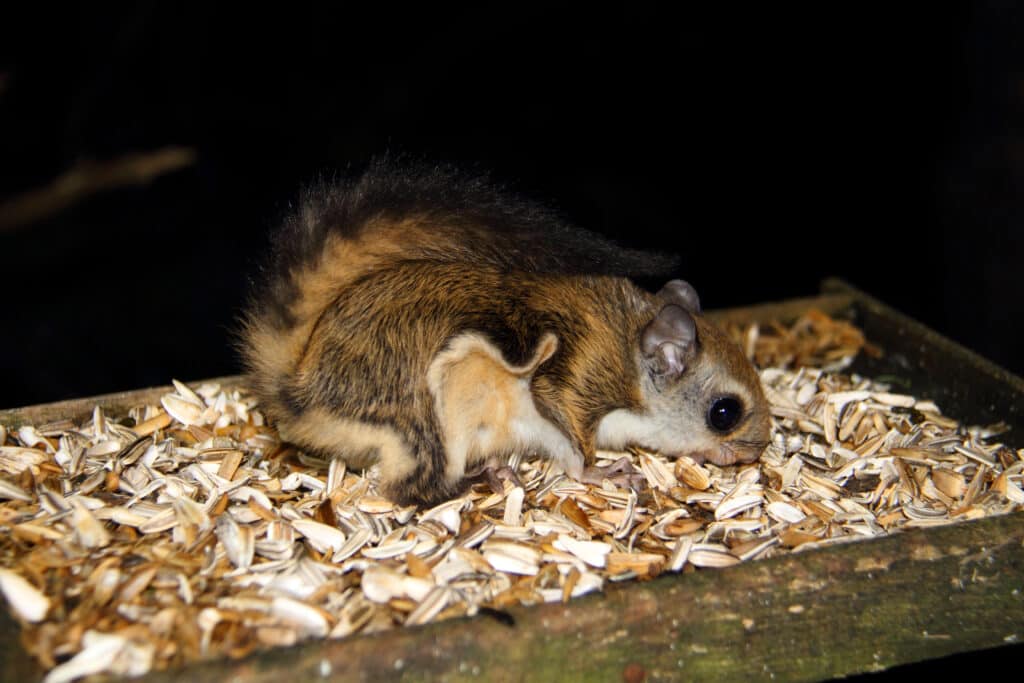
x: 832, y: 611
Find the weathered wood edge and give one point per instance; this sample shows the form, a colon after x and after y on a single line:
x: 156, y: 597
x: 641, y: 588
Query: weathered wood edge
x: 838, y: 611
x: 838, y: 288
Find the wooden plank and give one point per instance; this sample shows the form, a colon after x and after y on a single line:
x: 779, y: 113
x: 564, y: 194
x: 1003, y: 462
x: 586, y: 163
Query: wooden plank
x: 808, y: 616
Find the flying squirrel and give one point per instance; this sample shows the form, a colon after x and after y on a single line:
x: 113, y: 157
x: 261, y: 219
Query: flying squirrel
x: 433, y: 323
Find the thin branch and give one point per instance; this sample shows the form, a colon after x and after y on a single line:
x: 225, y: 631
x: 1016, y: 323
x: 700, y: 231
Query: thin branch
x: 89, y: 177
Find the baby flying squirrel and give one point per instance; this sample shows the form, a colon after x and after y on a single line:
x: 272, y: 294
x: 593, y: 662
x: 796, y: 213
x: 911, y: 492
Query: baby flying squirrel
x: 429, y: 321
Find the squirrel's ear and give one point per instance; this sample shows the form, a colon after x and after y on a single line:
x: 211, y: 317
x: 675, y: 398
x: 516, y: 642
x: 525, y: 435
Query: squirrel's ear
x: 681, y: 293
x: 669, y: 342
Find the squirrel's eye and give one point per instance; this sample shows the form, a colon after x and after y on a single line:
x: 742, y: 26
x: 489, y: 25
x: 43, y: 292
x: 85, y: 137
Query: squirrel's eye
x: 724, y: 413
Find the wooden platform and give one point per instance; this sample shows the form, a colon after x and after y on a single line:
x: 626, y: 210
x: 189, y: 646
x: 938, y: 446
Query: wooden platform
x: 815, y: 615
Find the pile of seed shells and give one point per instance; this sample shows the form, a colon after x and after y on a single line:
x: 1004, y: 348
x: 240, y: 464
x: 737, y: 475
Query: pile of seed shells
x: 187, y: 530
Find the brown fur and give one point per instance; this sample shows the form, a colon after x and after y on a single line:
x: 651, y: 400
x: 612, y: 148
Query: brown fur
x: 354, y: 348
x: 365, y: 357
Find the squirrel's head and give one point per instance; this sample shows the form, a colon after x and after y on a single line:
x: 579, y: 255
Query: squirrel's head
x: 701, y: 396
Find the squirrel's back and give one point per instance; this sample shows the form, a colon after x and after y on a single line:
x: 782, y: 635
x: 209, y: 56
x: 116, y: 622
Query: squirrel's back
x: 343, y: 232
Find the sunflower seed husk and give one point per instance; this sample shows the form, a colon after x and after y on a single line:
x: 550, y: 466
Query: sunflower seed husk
x: 184, y: 411
x: 784, y: 512
x: 89, y: 531
x: 24, y: 598
x: 431, y: 605
x: 702, y: 557
x: 392, y: 549
x: 15, y: 460
x: 693, y: 475
x: 514, y: 507
x: 321, y: 536
x: 381, y: 584
x: 309, y: 619
x: 512, y: 558
x: 104, y: 652
x: 11, y: 491
x: 239, y: 541
x: 594, y: 553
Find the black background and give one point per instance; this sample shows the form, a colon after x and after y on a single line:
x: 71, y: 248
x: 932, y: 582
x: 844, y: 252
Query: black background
x: 770, y: 148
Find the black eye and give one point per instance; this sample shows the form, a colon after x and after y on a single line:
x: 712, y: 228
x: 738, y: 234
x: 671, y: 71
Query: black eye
x: 724, y: 414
